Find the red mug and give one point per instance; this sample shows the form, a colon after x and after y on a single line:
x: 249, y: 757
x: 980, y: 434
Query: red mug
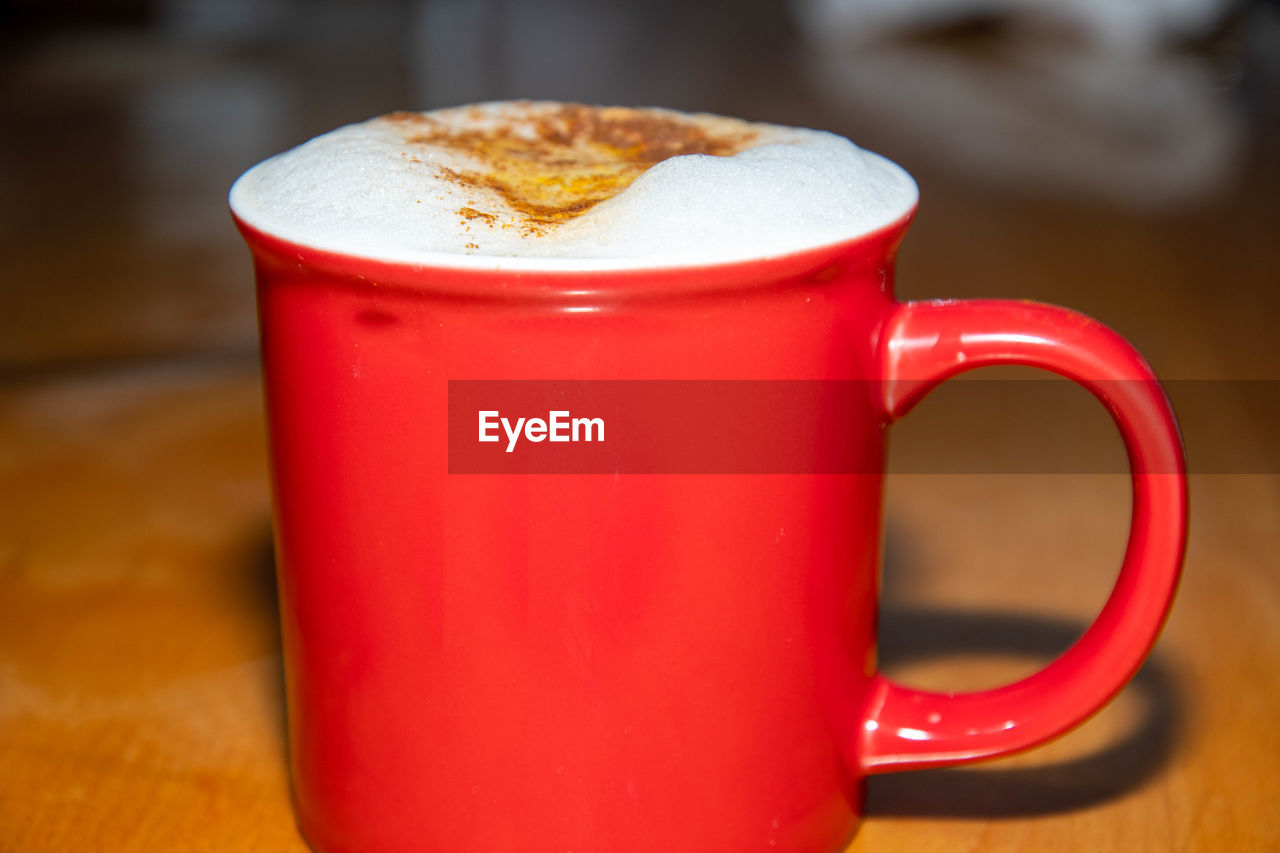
x: 638, y: 661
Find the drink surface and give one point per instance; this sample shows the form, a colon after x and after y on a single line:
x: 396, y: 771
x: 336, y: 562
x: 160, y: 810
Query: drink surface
x: 544, y: 184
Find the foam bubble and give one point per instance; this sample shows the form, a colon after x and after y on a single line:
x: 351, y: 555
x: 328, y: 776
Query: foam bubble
x: 519, y: 184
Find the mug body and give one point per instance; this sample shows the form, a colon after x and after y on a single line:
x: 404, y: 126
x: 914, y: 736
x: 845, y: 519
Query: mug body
x: 633, y: 661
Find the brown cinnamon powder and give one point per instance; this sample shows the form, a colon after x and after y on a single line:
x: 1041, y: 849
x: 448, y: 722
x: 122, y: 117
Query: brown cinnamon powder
x: 550, y: 164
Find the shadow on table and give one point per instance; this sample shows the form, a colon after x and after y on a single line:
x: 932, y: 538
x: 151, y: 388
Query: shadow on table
x: 910, y: 634
x: 1121, y: 766
x: 265, y: 592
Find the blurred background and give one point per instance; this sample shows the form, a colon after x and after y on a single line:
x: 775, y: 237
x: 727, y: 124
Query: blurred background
x: 1120, y: 158
x: 1134, y: 127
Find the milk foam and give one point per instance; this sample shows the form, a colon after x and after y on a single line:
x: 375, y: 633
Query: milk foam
x: 442, y: 188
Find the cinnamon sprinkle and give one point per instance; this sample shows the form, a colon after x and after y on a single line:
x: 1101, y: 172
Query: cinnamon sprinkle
x: 550, y: 165
x: 470, y: 213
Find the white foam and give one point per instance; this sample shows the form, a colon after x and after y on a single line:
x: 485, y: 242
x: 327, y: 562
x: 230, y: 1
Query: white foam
x: 370, y: 190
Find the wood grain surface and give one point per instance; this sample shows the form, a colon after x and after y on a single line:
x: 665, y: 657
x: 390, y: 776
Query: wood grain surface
x: 141, y: 699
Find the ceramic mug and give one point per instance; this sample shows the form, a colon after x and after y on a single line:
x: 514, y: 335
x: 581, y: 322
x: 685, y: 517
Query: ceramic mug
x: 638, y: 661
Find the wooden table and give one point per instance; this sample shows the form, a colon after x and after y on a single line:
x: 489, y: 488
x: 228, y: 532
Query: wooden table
x: 141, y: 701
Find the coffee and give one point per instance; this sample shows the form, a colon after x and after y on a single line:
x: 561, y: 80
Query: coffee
x: 515, y: 181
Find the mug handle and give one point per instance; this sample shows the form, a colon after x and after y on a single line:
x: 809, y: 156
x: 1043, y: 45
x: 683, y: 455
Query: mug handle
x: 923, y: 343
